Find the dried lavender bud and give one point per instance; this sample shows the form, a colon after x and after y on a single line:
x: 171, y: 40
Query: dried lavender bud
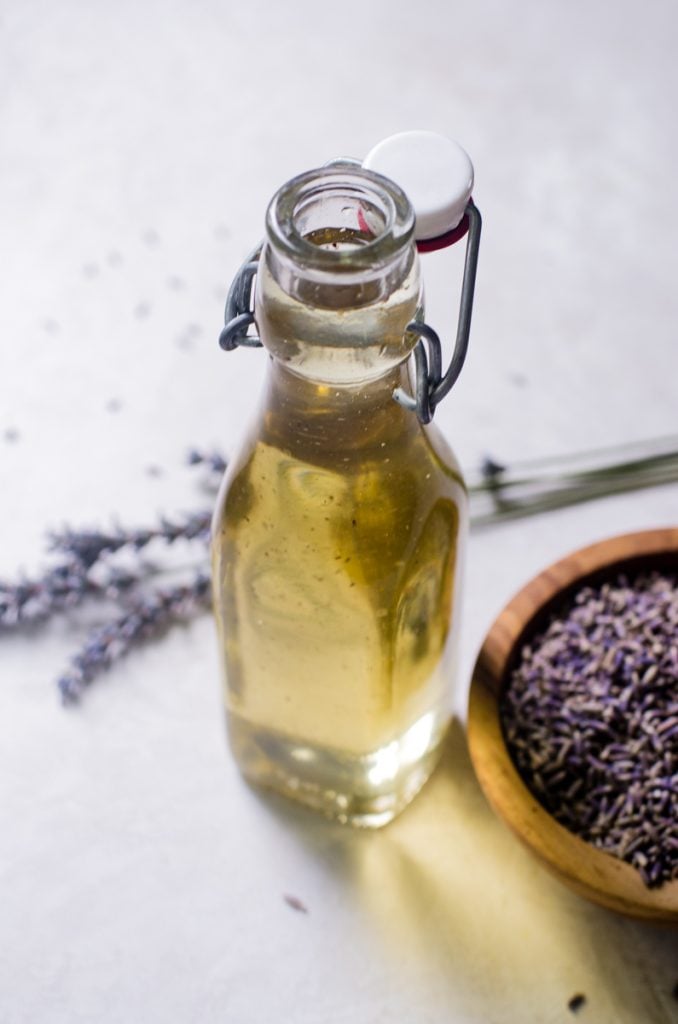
x: 29, y: 601
x: 295, y: 903
x: 575, y: 1004
x: 149, y: 615
x: 490, y: 469
x: 590, y: 717
x: 214, y: 461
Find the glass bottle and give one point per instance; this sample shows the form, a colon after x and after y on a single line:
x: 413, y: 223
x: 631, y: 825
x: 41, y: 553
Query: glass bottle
x: 339, y: 530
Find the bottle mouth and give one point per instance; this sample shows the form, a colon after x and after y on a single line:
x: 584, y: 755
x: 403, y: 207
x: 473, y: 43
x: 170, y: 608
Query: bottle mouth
x: 340, y: 219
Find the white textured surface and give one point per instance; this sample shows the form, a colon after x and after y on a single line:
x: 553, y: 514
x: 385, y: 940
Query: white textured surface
x: 140, y: 879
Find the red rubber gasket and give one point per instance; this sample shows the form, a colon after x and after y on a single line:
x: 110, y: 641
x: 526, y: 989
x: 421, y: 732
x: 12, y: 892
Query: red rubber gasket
x: 427, y: 244
x: 442, y: 241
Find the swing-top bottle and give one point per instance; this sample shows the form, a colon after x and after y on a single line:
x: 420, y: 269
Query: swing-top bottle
x: 339, y: 531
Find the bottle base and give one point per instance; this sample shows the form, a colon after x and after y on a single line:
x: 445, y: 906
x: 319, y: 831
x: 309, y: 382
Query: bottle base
x: 364, y: 790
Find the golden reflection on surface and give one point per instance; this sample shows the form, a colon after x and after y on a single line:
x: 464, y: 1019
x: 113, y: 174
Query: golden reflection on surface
x: 454, y: 900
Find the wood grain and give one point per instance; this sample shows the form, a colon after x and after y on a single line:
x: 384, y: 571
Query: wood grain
x: 593, y: 874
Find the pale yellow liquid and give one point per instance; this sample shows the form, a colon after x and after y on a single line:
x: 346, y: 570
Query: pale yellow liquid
x: 336, y: 560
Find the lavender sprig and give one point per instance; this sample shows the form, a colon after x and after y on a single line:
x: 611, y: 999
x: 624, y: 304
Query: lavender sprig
x: 500, y: 492
x: 150, y: 615
x: 84, y: 572
x: 87, y: 546
x: 34, y: 600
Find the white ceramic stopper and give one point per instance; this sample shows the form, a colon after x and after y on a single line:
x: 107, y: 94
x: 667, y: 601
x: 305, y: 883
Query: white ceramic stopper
x: 435, y: 173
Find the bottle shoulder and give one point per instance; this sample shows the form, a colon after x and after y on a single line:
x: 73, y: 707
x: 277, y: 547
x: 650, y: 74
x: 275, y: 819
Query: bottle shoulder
x: 396, y: 480
x: 442, y: 453
x: 345, y: 431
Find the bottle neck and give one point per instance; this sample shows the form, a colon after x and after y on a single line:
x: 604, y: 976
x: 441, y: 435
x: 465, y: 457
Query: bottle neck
x: 338, y: 279
x: 342, y: 345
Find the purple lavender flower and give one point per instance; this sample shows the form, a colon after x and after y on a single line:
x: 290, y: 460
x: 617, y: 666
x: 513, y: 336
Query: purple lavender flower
x: 590, y: 716
x: 149, y: 615
x: 87, y: 546
x: 214, y: 461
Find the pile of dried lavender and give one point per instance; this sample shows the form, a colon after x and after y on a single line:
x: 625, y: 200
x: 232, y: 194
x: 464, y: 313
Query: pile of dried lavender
x: 590, y: 717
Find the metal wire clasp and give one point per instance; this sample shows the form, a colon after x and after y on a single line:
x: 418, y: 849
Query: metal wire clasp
x: 239, y: 313
x: 430, y: 384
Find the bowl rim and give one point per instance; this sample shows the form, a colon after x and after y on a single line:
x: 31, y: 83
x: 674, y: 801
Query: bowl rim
x: 594, y: 874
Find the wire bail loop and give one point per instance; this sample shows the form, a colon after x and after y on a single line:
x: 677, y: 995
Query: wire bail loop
x: 430, y: 384
x: 239, y: 312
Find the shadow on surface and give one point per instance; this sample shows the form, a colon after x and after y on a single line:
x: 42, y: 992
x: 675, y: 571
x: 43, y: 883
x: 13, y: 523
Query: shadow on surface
x: 454, y: 899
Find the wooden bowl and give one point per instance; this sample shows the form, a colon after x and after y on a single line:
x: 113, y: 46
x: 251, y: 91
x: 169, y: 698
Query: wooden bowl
x: 596, y: 875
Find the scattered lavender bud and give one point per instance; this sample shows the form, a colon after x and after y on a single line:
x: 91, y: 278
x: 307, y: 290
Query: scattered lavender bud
x: 11, y: 435
x: 295, y: 903
x: 154, y: 471
x: 148, y: 616
x: 51, y: 326
x: 577, y: 1001
x: 113, y: 405
x: 590, y: 716
x: 175, y: 283
x: 191, y: 331
x: 90, y: 270
x: 151, y: 237
x: 142, y: 310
